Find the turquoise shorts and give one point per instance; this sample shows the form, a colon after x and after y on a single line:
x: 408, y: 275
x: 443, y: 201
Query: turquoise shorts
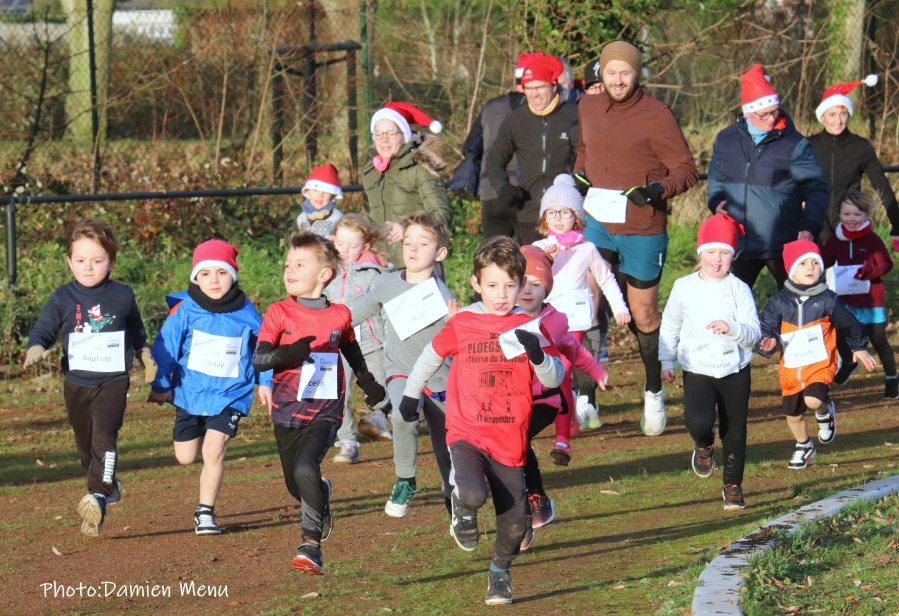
x: 869, y: 315
x: 639, y: 257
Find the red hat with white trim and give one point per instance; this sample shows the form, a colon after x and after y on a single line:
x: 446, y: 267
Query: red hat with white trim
x: 403, y: 114
x: 836, y: 95
x: 719, y: 231
x: 214, y: 253
x: 545, y: 68
x: 756, y: 92
x: 324, y: 178
x: 798, y: 251
x: 523, y: 60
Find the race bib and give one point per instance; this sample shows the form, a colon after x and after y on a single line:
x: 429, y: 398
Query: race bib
x: 577, y: 306
x: 841, y: 280
x: 100, y: 352
x: 358, y: 331
x: 714, y: 357
x: 417, y: 308
x: 510, y: 345
x: 606, y: 205
x: 804, y: 347
x: 214, y: 355
x: 318, y: 380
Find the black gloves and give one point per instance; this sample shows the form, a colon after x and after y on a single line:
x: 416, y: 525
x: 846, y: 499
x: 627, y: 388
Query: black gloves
x: 644, y: 195
x: 531, y: 344
x: 295, y: 352
x: 512, y: 196
x: 582, y: 183
x: 373, y: 391
x: 409, y: 409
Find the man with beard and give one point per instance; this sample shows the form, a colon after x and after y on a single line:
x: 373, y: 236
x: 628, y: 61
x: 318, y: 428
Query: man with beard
x: 631, y: 145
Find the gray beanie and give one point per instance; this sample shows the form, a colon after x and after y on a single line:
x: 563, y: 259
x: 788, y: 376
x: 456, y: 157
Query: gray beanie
x: 563, y: 194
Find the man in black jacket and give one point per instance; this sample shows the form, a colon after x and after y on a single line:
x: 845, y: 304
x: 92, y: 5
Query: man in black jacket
x: 543, y: 136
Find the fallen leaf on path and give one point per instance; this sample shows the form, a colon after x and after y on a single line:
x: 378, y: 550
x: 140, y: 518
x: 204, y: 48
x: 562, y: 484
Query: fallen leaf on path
x: 241, y: 459
x: 619, y: 587
x: 39, y: 463
x: 673, y: 583
x: 868, y: 466
x: 882, y: 559
x: 608, y: 492
x: 833, y: 465
x: 59, y: 517
x: 57, y: 552
x: 856, y: 539
x: 309, y: 595
x: 126, y: 528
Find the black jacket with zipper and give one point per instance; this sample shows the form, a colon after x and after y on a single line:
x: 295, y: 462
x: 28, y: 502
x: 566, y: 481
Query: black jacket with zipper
x: 843, y: 159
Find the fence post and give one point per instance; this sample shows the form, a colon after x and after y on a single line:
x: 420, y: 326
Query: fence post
x: 11, y: 262
x: 352, y: 116
x: 277, y: 120
x: 366, y: 72
x: 92, y: 63
x: 309, y: 93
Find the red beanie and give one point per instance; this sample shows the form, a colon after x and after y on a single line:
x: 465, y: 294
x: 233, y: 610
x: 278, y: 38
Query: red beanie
x: 540, y: 265
x: 545, y: 68
x: 523, y: 60
x: 836, y: 95
x: 756, y: 92
x: 403, y: 114
x: 215, y: 253
x: 798, y: 251
x: 719, y: 231
x: 324, y: 178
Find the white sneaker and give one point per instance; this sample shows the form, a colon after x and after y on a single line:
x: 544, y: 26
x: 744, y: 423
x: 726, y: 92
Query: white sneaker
x: 654, y: 419
x: 348, y: 454
x: 827, y: 424
x: 587, y: 414
x: 375, y: 426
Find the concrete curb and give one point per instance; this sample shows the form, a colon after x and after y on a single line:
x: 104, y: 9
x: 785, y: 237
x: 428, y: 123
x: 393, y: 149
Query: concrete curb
x: 722, y: 579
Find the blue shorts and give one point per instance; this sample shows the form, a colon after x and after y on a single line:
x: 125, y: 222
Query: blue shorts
x: 189, y: 427
x: 639, y: 257
x: 869, y: 315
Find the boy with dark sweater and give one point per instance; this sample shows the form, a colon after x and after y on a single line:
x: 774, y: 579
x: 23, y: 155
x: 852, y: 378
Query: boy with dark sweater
x: 300, y: 340
x: 101, y: 328
x: 489, y: 402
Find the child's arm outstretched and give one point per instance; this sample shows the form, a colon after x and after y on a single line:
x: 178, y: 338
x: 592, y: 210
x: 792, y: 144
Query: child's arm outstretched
x: 426, y: 366
x: 582, y: 359
x: 134, y: 324
x: 606, y: 281
x: 746, y: 329
x: 367, y: 306
x: 770, y: 322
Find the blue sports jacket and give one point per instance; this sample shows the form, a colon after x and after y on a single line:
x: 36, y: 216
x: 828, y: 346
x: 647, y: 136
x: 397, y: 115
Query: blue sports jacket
x: 765, y: 186
x: 196, y: 392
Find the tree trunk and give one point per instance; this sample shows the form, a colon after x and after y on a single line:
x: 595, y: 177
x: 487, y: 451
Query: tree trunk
x: 846, y: 37
x: 78, y: 102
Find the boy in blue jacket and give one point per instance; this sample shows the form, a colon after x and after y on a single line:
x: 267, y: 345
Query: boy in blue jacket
x: 205, y: 356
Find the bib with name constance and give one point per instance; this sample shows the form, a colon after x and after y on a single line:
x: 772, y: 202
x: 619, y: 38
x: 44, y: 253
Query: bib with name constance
x: 417, y: 308
x: 804, y: 347
x: 715, y: 357
x: 214, y: 355
x: 318, y: 379
x: 100, y: 352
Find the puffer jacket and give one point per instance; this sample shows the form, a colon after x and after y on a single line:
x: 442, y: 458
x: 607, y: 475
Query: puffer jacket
x: 196, y: 392
x: 411, y: 183
x: 353, y: 284
x: 791, y: 310
x: 765, y: 186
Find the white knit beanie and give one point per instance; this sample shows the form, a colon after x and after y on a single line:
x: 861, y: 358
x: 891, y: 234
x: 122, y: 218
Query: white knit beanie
x: 563, y: 194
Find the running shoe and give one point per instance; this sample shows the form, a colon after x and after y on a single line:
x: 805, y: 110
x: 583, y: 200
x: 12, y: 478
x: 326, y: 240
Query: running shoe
x: 733, y: 497
x: 204, y: 521
x: 499, y: 588
x: 398, y: 504
x: 375, y: 426
x: 654, y: 419
x: 703, y: 462
x: 309, y: 558
x: 827, y: 424
x: 543, y: 510
x: 348, y: 454
x: 802, y: 455
x: 92, y: 509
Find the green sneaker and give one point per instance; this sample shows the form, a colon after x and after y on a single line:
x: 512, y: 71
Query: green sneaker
x: 398, y: 504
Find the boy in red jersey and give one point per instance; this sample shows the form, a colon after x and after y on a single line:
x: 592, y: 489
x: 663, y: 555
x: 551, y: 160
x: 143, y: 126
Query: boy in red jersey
x: 488, y: 404
x: 300, y: 339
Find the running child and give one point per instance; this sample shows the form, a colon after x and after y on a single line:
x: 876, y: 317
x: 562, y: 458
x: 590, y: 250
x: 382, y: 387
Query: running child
x: 360, y: 266
x: 550, y: 405
x: 416, y: 303
x: 804, y: 319
x: 561, y: 219
x: 489, y: 404
x: 861, y: 260
x: 101, y: 330
x: 300, y: 339
x: 710, y: 325
x: 204, y: 352
x: 319, y: 209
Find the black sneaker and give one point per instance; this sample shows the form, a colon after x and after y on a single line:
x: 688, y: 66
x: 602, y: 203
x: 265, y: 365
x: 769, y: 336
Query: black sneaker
x: 499, y: 588
x: 116, y: 495
x: 464, y: 528
x: 703, y: 462
x: 327, y: 518
x: 543, y: 510
x: 891, y: 389
x: 733, y: 497
x: 827, y: 424
x: 204, y: 521
x: 845, y: 371
x: 309, y: 558
x: 92, y: 509
x: 802, y: 455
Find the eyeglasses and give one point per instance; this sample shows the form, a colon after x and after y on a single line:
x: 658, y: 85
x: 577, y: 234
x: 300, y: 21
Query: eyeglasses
x: 594, y: 88
x: 767, y: 116
x: 533, y: 89
x: 563, y: 214
x: 391, y: 133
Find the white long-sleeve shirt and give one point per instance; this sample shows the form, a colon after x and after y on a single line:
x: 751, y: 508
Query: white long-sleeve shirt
x: 693, y: 304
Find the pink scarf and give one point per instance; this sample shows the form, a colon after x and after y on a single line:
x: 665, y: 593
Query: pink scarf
x: 381, y: 164
x: 568, y: 239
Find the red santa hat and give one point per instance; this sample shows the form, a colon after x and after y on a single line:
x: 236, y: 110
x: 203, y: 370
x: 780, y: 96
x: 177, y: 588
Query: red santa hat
x: 836, y: 95
x: 545, y: 68
x: 324, y: 178
x: 756, y: 92
x: 215, y: 253
x: 523, y: 60
x: 403, y: 114
x: 719, y: 231
x: 798, y: 251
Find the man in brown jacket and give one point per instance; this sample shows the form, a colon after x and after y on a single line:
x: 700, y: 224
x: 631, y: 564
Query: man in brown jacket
x: 632, y: 147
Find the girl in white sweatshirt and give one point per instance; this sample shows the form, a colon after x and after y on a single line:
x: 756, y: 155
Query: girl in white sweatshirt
x: 710, y: 325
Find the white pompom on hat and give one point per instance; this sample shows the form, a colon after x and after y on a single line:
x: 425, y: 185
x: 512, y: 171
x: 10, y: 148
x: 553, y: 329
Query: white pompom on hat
x: 404, y: 114
x: 836, y: 95
x: 563, y: 194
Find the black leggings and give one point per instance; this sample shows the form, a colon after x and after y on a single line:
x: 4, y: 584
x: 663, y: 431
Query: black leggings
x: 542, y: 416
x: 748, y: 270
x: 702, y: 394
x: 877, y: 334
x: 302, y: 451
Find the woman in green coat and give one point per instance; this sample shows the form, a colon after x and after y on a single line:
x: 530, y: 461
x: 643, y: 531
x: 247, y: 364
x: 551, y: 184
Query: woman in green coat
x: 402, y: 173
